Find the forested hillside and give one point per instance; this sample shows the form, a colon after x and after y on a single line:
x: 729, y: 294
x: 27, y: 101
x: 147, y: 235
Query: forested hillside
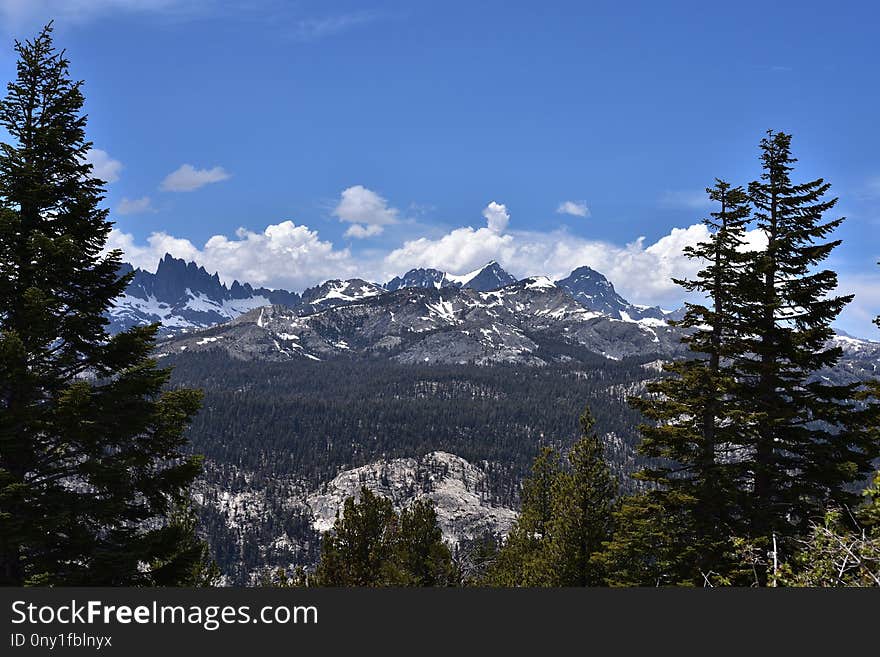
x: 281, y: 429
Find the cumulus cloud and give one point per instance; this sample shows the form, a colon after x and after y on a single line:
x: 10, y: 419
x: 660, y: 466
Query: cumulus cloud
x: 146, y: 256
x: 459, y: 251
x: 640, y: 271
x: 496, y: 216
x: 104, y: 167
x: 187, y: 178
x: 134, y: 206
x: 364, y: 208
x: 574, y: 208
x: 360, y: 231
x: 283, y: 255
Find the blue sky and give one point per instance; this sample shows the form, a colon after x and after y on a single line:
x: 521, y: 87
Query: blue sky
x: 286, y: 142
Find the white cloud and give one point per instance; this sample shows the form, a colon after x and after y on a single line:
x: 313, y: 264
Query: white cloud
x: 187, y: 178
x: 134, y: 206
x: 364, y: 208
x: 497, y: 217
x: 360, y: 231
x: 283, y: 255
x: 687, y: 200
x: 459, y: 251
x: 640, y: 272
x: 574, y: 208
x: 104, y: 167
x: 146, y: 256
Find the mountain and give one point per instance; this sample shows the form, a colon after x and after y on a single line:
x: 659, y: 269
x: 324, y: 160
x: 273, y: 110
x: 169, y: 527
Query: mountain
x: 338, y: 292
x: 457, y: 489
x: 596, y: 292
x: 184, y: 297
x: 490, y: 276
x: 285, y: 518
x: 418, y: 278
x: 532, y: 321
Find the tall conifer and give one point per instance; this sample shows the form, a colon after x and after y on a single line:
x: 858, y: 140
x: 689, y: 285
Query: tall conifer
x: 809, y: 440
x: 581, y: 519
x: 91, y: 448
x: 517, y: 562
x: 694, y: 432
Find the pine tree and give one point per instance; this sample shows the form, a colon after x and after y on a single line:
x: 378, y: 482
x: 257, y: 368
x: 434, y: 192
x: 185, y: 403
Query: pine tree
x: 372, y: 545
x: 581, y: 519
x: 565, y: 521
x: 420, y: 557
x: 695, y: 420
x: 91, y: 448
x: 359, y: 548
x: 809, y: 440
x: 517, y: 562
x: 651, y: 543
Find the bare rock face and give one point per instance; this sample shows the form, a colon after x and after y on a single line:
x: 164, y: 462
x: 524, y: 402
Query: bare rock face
x: 532, y: 321
x: 184, y: 297
x: 456, y: 488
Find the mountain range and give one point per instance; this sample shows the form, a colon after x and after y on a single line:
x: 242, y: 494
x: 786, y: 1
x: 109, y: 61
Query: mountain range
x: 183, y: 296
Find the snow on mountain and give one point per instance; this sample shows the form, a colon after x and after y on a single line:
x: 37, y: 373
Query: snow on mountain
x: 531, y: 321
x: 490, y: 276
x: 855, y: 345
x: 482, y: 316
x: 183, y: 297
x: 538, y: 283
x: 597, y: 293
x: 457, y: 489
x: 419, y: 278
x: 337, y: 292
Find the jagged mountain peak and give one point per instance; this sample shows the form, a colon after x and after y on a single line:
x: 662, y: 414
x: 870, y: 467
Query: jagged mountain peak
x: 337, y: 291
x: 183, y: 296
x: 419, y: 277
x: 490, y: 276
x: 593, y: 290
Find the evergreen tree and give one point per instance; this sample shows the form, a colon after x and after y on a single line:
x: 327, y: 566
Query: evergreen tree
x: 809, y: 441
x: 695, y: 420
x: 869, y: 514
x: 581, y: 520
x: 648, y: 543
x: 371, y: 545
x: 420, y: 557
x: 359, y: 548
x: 91, y: 448
x: 565, y: 521
x: 518, y: 561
